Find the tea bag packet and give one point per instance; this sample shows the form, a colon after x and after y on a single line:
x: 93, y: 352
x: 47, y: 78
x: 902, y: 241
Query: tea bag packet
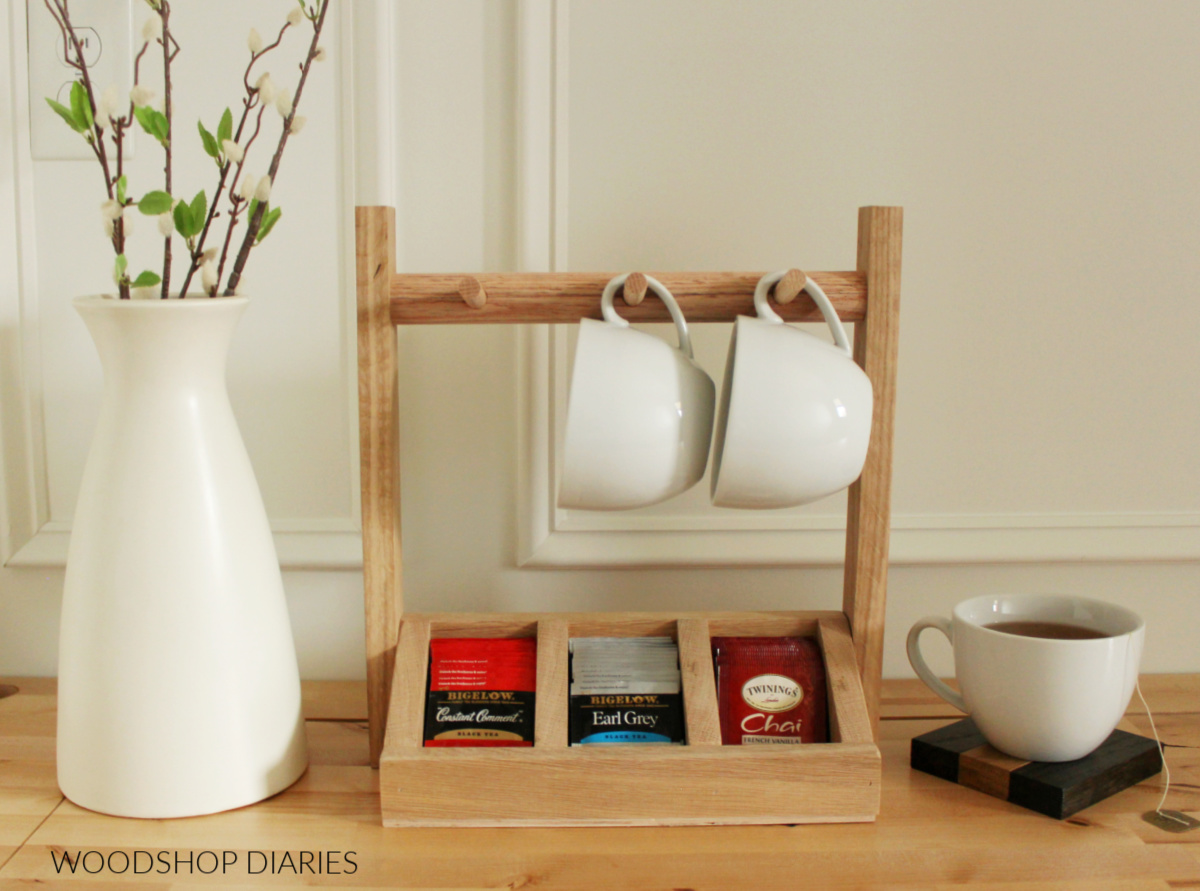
x: 481, y: 692
x: 625, y: 690
x: 770, y: 690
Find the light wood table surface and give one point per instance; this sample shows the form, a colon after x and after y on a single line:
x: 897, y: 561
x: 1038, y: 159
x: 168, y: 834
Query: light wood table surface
x: 930, y: 833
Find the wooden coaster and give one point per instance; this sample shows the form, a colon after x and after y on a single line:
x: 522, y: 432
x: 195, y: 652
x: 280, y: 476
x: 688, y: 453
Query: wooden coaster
x: 960, y: 754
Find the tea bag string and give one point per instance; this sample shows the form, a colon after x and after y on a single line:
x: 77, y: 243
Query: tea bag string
x: 1163, y: 755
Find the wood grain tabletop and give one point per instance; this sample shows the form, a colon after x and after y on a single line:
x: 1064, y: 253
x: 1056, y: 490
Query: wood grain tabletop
x: 325, y: 830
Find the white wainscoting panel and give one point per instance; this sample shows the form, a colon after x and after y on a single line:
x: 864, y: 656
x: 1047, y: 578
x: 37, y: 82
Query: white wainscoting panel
x: 631, y: 51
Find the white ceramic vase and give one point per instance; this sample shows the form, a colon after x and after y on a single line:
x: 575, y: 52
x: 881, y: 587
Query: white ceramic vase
x: 178, y: 688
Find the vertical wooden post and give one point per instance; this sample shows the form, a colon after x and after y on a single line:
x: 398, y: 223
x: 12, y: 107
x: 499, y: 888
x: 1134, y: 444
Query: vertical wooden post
x: 868, y: 517
x: 375, y: 251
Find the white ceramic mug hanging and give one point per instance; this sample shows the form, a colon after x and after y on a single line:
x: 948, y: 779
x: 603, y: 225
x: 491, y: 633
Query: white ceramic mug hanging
x: 639, y: 414
x: 178, y: 690
x: 795, y: 416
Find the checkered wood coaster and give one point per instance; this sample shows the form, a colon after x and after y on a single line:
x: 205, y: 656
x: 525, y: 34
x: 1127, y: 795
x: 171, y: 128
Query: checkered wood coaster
x: 960, y: 754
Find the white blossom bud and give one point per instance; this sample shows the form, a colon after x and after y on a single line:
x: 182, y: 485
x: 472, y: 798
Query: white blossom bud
x: 107, y: 106
x: 144, y: 293
x: 295, y: 17
x: 266, y: 88
x: 298, y: 123
x: 262, y: 191
x: 152, y: 28
x: 127, y: 219
x: 254, y: 41
x: 141, y: 95
x: 283, y: 103
x: 319, y: 55
x: 233, y: 151
x: 245, y: 189
x: 166, y: 224
x: 108, y: 228
x: 208, y: 275
x: 209, y: 255
x: 111, y: 209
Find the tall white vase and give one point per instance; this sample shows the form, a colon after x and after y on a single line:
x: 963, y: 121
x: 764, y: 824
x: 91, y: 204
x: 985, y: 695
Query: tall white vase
x: 178, y: 688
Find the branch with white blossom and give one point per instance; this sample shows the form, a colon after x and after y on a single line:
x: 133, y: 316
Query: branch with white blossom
x: 98, y: 120
x: 263, y: 218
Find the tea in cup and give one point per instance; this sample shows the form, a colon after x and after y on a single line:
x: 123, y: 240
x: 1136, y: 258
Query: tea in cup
x: 1044, y: 677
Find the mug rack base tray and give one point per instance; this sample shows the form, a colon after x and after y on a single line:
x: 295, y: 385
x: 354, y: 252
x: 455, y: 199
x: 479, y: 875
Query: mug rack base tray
x: 702, y: 782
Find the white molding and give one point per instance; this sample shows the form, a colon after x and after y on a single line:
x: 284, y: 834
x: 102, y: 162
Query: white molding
x: 33, y: 540
x: 25, y: 487
x: 535, y: 135
x: 300, y: 544
x: 541, y: 247
x: 561, y: 97
x: 369, y: 44
x: 550, y: 537
x: 542, y: 127
x: 349, y: 151
x: 916, y: 539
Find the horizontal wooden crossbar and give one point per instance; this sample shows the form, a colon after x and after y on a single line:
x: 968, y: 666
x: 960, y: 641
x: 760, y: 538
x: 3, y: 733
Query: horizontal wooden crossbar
x: 429, y: 299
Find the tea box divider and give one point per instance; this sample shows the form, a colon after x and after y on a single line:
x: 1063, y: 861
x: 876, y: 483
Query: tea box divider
x: 552, y: 783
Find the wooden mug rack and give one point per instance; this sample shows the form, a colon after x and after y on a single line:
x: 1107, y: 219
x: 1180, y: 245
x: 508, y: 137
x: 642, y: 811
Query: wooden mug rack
x: 550, y: 783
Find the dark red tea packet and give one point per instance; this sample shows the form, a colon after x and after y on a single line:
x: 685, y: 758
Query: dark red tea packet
x: 481, y: 691
x: 770, y: 690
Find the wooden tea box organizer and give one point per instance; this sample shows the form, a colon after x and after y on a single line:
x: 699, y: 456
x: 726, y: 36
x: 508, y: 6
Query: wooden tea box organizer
x: 551, y: 783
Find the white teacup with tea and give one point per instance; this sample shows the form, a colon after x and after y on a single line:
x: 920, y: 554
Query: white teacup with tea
x: 1045, y: 677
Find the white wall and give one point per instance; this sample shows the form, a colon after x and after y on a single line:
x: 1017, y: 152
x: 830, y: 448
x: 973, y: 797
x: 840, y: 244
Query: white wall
x: 1047, y: 419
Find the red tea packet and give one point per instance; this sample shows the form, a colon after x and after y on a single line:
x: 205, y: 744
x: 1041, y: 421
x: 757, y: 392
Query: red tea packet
x: 481, y: 691
x: 770, y: 690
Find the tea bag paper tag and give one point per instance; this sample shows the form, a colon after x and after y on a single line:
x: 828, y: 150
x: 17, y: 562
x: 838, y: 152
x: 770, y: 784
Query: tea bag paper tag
x: 1168, y: 821
x: 1171, y: 821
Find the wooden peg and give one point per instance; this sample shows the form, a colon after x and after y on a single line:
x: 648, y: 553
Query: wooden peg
x: 634, y: 289
x: 472, y: 292
x: 790, y: 286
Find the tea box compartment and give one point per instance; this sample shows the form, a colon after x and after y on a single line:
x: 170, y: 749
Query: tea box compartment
x: 701, y: 782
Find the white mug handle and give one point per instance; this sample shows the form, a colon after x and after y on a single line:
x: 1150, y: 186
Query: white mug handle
x: 763, y: 307
x: 610, y: 313
x: 918, y: 661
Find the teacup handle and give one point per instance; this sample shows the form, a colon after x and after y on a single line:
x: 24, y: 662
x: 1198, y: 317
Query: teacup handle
x: 610, y: 313
x: 763, y: 307
x: 918, y: 661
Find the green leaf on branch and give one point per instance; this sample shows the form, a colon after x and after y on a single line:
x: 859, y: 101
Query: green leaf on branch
x: 154, y: 203
x: 80, y: 106
x: 146, y: 279
x: 153, y: 122
x: 199, y: 209
x: 225, y: 128
x: 67, y: 115
x: 183, y: 220
x: 119, y: 269
x: 211, y: 147
x: 122, y: 184
x: 270, y: 218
